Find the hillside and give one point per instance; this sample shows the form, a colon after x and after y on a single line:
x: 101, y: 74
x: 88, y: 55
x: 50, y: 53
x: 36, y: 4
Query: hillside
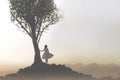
x: 50, y: 72
x: 47, y: 72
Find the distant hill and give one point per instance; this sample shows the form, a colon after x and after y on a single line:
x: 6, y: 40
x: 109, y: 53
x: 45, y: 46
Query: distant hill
x: 97, y: 70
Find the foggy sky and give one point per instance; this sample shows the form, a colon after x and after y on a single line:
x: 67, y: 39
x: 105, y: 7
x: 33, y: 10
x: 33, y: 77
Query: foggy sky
x: 89, y: 32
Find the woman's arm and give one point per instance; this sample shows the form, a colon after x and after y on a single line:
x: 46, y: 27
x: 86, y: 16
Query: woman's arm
x: 41, y: 50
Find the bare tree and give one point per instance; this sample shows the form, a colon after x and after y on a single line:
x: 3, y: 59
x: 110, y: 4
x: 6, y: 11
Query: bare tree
x: 34, y: 17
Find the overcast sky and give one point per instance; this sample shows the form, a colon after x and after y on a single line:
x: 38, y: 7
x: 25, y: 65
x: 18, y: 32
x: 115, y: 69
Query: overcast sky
x: 89, y: 32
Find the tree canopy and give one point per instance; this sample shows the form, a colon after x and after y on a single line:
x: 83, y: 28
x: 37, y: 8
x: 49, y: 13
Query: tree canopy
x: 34, y: 16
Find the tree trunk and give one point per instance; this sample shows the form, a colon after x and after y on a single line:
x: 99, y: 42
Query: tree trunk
x: 37, y: 58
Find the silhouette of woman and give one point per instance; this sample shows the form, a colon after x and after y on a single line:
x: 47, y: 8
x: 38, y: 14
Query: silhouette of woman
x: 46, y: 54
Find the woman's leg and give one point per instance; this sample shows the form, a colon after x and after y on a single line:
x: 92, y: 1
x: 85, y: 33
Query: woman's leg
x: 46, y: 60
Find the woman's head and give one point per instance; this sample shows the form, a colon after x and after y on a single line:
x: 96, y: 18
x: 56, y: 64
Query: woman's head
x: 45, y: 46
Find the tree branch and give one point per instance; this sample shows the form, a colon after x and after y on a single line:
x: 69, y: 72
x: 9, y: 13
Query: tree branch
x: 38, y: 32
x: 41, y: 32
x: 22, y: 26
